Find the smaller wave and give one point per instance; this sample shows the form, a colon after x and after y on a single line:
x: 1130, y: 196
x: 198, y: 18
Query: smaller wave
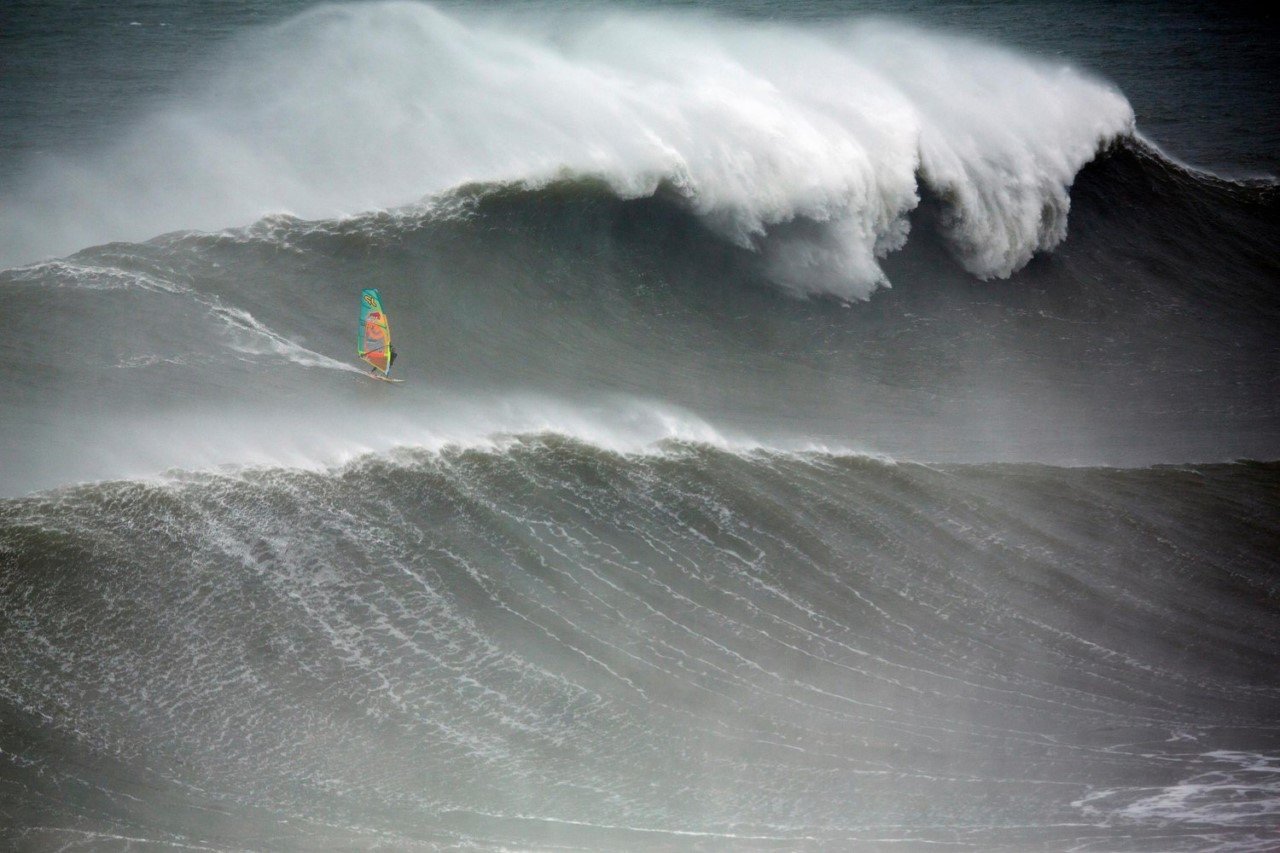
x: 83, y: 276
x: 244, y: 437
x: 763, y: 621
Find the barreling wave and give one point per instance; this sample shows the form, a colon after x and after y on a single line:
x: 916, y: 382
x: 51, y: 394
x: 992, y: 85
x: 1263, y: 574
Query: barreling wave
x: 1163, y: 200
x: 755, y: 126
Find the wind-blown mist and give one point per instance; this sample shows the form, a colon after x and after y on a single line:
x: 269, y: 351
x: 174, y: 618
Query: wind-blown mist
x: 347, y: 109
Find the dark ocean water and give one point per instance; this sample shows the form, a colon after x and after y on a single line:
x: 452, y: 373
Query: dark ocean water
x: 825, y: 426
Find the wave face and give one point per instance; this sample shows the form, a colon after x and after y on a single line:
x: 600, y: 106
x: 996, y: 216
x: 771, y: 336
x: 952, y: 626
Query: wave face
x: 1148, y: 338
x: 816, y: 435
x: 547, y: 645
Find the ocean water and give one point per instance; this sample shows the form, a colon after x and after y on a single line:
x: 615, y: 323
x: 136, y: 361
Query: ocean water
x: 825, y: 426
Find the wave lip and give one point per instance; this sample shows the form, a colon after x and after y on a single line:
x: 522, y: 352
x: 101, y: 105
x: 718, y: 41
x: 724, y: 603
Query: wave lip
x: 755, y: 126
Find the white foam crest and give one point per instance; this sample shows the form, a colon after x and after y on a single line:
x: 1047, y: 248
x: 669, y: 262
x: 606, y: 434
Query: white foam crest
x: 282, y: 230
x: 1001, y: 141
x: 353, y: 108
x: 338, y: 434
x: 81, y: 276
x: 493, y: 424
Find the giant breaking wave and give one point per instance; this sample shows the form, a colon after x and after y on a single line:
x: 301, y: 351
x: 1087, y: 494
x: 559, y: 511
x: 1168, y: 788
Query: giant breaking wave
x: 809, y: 145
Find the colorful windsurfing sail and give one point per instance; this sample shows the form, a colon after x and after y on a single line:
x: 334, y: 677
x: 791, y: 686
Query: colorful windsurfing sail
x: 374, y: 343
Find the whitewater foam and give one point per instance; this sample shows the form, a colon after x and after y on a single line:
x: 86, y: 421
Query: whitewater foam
x: 350, y: 108
x: 1231, y: 789
x: 252, y: 337
x: 83, y: 276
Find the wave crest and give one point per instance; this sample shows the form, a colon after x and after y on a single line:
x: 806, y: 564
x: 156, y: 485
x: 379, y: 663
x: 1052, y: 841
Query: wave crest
x: 757, y: 126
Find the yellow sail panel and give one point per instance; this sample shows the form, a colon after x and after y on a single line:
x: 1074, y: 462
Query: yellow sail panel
x: 374, y: 341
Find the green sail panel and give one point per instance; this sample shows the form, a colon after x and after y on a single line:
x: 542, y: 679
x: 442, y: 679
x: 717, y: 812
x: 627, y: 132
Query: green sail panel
x: 374, y: 343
